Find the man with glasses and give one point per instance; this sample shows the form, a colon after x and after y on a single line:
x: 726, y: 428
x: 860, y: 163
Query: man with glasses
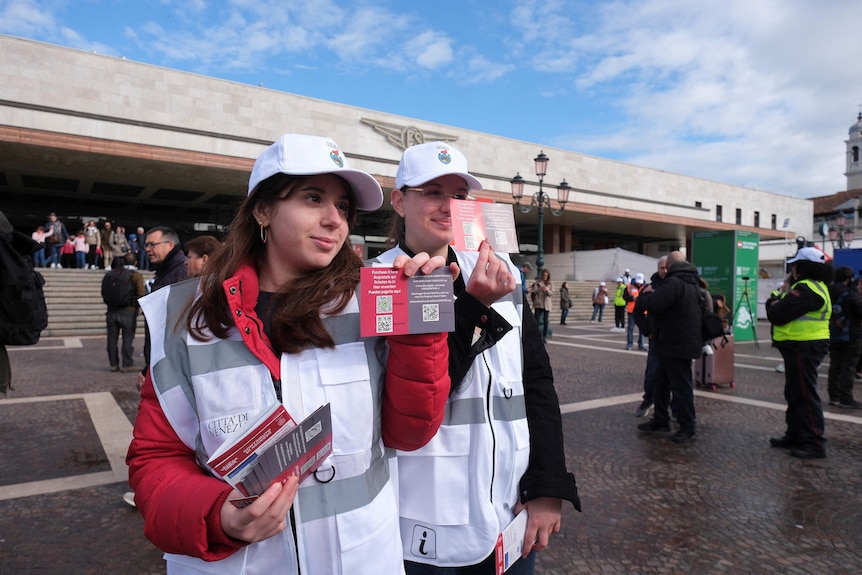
x: 166, y: 257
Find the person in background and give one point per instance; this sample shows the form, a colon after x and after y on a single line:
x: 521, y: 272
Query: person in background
x: 646, y: 326
x: 122, y: 318
x: 631, y: 295
x: 627, y: 276
x: 277, y: 321
x: 67, y: 253
x: 134, y: 248
x: 800, y: 331
x: 526, y: 269
x: 81, y: 250
x: 845, y: 338
x: 198, y: 251
x: 105, y: 242
x: 478, y: 471
x: 619, y: 307
x: 675, y: 306
x: 143, y: 260
x: 542, y: 291
x: 565, y: 303
x: 38, y: 236
x: 55, y: 238
x: 719, y: 306
x: 169, y: 262
x: 23, y: 314
x: 119, y: 244
x: 91, y: 232
x: 600, y: 299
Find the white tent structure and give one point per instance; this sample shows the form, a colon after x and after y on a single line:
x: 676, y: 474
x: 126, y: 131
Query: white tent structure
x: 595, y: 265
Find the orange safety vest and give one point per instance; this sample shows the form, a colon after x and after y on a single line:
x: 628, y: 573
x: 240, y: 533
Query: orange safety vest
x: 633, y: 292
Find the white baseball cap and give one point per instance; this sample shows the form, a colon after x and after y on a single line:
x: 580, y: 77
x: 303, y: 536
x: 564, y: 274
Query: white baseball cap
x: 424, y: 162
x: 639, y: 278
x: 301, y: 155
x: 809, y: 254
x: 601, y: 283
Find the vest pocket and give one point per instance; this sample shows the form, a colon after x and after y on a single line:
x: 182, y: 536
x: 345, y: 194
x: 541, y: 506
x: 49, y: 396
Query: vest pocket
x: 436, y: 478
x: 345, y: 379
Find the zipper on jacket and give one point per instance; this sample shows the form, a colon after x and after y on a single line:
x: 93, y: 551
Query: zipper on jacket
x: 491, y: 427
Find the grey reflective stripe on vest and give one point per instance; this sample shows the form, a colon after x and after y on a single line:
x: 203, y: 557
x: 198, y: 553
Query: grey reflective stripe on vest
x: 321, y: 500
x: 220, y: 355
x: 512, y: 409
x: 165, y: 372
x: 343, y: 328
x: 817, y: 286
x: 471, y: 410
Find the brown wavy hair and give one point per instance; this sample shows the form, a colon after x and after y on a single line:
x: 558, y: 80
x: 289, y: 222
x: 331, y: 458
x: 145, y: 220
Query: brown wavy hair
x: 296, y: 307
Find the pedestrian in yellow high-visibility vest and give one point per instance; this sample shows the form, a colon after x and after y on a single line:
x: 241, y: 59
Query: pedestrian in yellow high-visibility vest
x: 800, y: 317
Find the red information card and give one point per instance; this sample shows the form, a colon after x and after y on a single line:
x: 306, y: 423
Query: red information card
x: 393, y: 304
x: 474, y: 221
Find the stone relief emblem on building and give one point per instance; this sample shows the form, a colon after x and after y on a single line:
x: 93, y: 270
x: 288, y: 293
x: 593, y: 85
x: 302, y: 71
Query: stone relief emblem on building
x: 403, y: 137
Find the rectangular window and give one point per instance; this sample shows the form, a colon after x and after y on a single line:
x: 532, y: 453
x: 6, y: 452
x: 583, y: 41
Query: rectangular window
x: 718, y: 213
x: 774, y: 222
x: 738, y: 217
x: 698, y: 204
x: 756, y: 219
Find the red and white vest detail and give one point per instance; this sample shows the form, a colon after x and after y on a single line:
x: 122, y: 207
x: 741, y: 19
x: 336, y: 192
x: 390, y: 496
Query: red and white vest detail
x: 209, y: 389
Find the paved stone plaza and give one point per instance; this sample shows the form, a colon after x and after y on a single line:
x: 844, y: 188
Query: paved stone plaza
x: 726, y: 503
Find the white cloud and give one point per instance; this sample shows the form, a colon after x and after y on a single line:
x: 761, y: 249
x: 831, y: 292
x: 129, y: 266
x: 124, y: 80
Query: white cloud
x: 738, y: 91
x: 25, y: 18
x: 429, y: 49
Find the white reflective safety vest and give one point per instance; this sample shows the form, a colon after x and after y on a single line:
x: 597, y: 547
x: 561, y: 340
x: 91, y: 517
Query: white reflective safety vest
x: 346, y: 526
x: 458, y: 492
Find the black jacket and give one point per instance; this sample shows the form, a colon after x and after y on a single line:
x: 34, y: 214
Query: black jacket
x: 675, y: 308
x: 172, y: 269
x: 645, y: 322
x: 851, y: 306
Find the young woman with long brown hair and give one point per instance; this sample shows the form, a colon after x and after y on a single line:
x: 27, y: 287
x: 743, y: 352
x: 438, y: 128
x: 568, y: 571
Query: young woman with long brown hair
x: 275, y: 319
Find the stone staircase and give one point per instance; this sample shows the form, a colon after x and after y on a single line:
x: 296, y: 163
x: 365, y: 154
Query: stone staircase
x: 74, y: 300
x: 75, y: 306
x: 581, y: 293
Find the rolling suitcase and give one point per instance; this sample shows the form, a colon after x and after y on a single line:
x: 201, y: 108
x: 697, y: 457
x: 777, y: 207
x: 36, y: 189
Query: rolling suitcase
x: 716, y: 369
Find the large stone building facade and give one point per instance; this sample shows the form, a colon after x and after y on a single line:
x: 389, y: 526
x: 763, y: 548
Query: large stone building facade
x: 93, y: 136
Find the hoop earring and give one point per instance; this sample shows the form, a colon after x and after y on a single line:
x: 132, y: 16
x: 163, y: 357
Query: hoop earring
x: 263, y: 236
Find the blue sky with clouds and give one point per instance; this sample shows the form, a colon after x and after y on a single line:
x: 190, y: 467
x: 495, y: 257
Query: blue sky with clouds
x: 759, y: 93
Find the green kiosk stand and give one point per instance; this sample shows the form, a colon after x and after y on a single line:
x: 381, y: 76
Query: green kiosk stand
x: 729, y: 262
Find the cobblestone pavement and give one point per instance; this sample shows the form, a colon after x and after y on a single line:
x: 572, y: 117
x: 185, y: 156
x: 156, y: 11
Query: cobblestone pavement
x: 726, y: 503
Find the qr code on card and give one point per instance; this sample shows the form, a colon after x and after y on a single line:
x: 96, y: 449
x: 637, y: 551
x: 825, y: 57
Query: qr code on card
x: 384, y: 324
x: 384, y: 304
x: 430, y: 312
x: 500, y: 238
x: 470, y: 242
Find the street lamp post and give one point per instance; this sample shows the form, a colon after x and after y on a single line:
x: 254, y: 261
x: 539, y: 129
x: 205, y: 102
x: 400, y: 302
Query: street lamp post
x: 541, y: 201
x: 841, y: 235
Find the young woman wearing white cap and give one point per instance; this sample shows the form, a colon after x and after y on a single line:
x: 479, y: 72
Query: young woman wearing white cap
x: 275, y: 320
x: 500, y: 448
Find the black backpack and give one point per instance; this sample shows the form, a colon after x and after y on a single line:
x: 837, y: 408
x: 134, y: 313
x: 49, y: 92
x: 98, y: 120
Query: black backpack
x: 839, y: 324
x: 23, y: 313
x: 118, y: 289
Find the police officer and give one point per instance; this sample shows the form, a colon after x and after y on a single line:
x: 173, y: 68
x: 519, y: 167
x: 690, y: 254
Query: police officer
x: 800, y: 318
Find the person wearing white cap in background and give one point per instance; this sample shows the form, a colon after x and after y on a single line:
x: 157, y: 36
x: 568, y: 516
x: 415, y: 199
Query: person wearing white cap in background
x: 600, y: 299
x: 275, y: 320
x: 501, y: 447
x: 800, y: 331
x: 627, y: 276
x: 631, y: 295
